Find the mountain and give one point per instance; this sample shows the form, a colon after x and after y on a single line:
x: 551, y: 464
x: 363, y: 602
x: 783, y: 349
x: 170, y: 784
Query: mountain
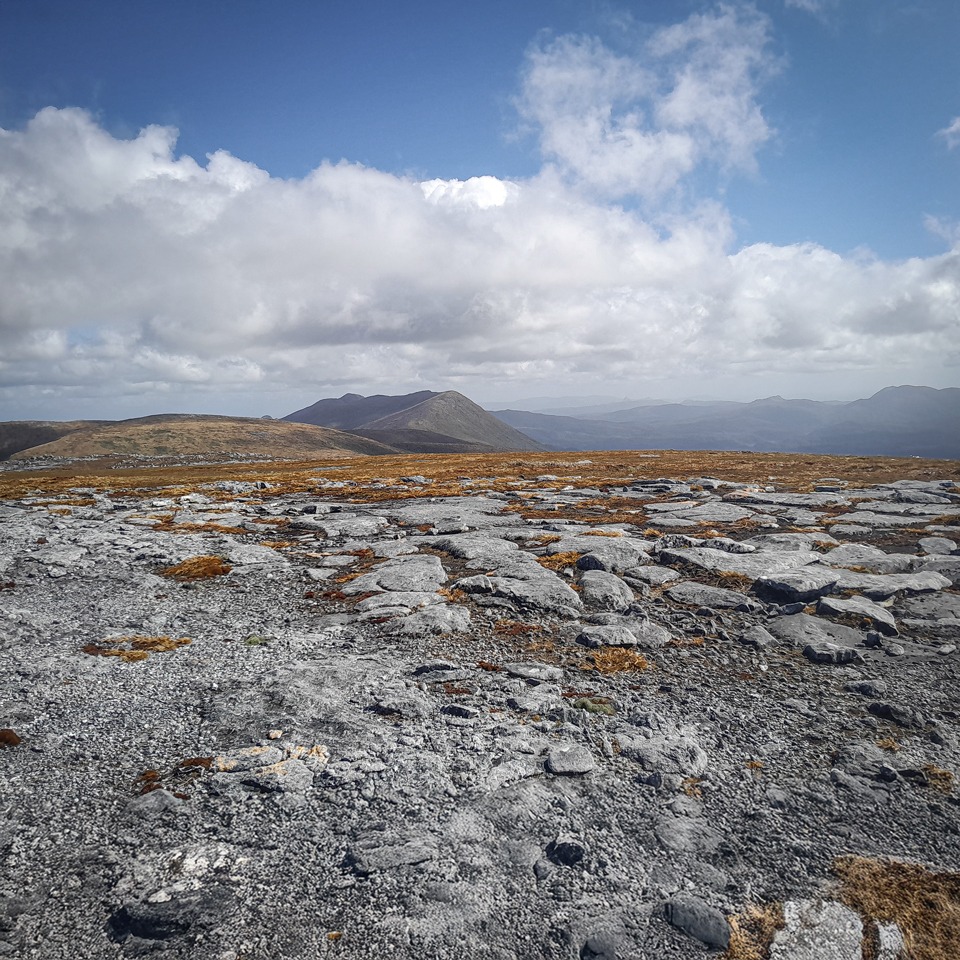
x: 903, y: 421
x: 424, y: 422
x: 187, y: 435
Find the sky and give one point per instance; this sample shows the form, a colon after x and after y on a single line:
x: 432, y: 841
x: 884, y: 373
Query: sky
x: 242, y: 206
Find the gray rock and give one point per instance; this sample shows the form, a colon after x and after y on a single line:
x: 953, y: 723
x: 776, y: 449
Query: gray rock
x: 818, y: 930
x: 757, y: 637
x: 534, y: 671
x: 615, y: 635
x: 939, y: 546
x: 825, y: 652
x: 605, y: 591
x: 699, y: 920
x: 700, y: 595
x: 879, y: 617
x: 570, y: 760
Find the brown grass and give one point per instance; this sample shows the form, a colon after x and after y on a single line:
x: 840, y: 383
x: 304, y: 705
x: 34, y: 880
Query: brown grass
x: 134, y: 648
x: 607, y: 469
x: 752, y: 932
x: 888, y: 743
x: 924, y: 904
x: 557, y: 561
x: 9, y: 738
x: 454, y: 596
x: 602, y: 533
x: 611, y: 660
x: 938, y: 778
x: 197, y: 568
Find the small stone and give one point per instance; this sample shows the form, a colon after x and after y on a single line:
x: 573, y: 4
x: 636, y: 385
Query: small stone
x: 570, y: 760
x: 274, y: 734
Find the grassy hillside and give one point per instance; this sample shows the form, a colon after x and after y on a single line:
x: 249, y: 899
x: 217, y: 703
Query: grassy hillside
x: 186, y: 435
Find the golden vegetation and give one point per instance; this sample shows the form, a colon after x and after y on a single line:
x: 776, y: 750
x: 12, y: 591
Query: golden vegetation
x: 609, y: 660
x: 372, y: 475
x: 557, y: 561
x: 752, y: 932
x: 925, y: 905
x: 134, y: 648
x: 197, y: 568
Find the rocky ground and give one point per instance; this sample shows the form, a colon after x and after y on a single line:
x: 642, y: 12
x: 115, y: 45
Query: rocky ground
x: 243, y: 723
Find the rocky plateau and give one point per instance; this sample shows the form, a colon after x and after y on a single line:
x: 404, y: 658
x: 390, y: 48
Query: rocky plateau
x: 244, y: 722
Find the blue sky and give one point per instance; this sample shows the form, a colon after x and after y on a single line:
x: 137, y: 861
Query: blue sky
x: 778, y: 185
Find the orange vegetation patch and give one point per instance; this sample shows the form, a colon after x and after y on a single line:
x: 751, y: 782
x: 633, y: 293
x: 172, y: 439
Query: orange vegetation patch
x: 602, y: 470
x: 132, y: 649
x: 557, y: 561
x: 602, y: 533
x: 198, y: 568
x: 752, y: 932
x: 924, y: 904
x: 616, y: 660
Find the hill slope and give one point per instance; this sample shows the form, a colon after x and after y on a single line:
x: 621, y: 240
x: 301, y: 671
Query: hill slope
x: 185, y: 435
x: 423, y: 422
x: 17, y: 435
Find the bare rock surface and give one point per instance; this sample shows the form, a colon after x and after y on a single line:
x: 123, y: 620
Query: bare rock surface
x: 429, y: 728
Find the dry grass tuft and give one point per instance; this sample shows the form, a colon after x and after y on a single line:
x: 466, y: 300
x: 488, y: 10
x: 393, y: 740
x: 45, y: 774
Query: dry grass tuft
x: 752, y: 932
x: 454, y: 596
x: 691, y: 786
x: 938, y: 778
x: 134, y: 648
x: 602, y: 533
x: 616, y: 660
x: 558, y: 561
x: 888, y: 743
x: 924, y: 905
x: 198, y: 568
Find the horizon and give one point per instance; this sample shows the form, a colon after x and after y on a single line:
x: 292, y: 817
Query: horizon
x: 490, y: 406
x: 242, y: 209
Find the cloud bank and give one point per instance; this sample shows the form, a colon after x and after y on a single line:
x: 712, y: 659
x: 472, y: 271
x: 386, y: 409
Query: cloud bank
x: 129, y: 269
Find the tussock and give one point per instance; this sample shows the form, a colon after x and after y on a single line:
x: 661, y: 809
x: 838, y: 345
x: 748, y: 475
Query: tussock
x: 752, y: 932
x: 198, y: 568
x: 924, y: 904
x: 616, y: 660
x: 557, y: 561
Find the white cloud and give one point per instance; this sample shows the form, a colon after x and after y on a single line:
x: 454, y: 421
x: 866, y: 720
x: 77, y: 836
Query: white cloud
x: 637, y: 124
x: 951, y: 133
x: 129, y: 270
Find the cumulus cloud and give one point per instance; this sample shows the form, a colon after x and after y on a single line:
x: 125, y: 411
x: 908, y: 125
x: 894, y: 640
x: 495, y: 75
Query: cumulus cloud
x: 951, y: 133
x: 638, y: 123
x: 128, y: 269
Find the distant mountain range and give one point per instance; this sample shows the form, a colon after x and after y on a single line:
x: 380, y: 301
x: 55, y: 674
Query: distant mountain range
x: 424, y: 422
x: 896, y: 422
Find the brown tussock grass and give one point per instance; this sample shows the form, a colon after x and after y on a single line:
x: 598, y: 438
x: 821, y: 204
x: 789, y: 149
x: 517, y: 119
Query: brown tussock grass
x: 454, y: 595
x: 938, y: 778
x: 888, y: 743
x: 923, y: 903
x: 752, y: 932
x: 134, y: 648
x: 602, y: 533
x: 198, y: 568
x: 612, y: 660
x: 606, y: 469
x: 557, y: 561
